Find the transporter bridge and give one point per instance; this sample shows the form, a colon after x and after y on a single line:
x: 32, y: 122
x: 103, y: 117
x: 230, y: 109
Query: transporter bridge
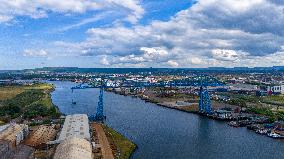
x: 199, y: 81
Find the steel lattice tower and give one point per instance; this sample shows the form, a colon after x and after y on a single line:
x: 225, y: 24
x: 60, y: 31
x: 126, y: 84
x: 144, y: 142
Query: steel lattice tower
x: 100, y: 109
x: 99, y: 116
x: 204, y: 101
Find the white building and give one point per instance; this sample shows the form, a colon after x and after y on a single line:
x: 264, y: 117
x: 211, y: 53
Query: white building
x: 276, y: 89
x: 76, y: 125
x: 74, y: 148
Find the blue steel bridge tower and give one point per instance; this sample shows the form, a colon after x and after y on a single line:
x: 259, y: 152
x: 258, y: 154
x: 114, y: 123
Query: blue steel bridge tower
x: 100, y: 108
x: 204, y: 100
x: 99, y: 116
x: 204, y: 97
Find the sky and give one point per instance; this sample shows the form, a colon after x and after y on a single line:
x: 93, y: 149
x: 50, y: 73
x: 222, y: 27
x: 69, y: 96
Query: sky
x: 141, y: 33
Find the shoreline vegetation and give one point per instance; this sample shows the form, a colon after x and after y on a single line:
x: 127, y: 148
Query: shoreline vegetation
x: 167, y: 102
x: 30, y: 103
x: 122, y: 147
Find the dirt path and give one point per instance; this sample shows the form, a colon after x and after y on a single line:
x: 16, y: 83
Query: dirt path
x: 103, y: 142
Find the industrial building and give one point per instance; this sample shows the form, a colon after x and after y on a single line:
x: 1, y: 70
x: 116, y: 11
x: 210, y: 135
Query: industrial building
x: 279, y: 89
x: 6, y: 149
x: 76, y: 125
x: 74, y: 148
x: 23, y: 152
x: 41, y: 136
x: 14, y: 133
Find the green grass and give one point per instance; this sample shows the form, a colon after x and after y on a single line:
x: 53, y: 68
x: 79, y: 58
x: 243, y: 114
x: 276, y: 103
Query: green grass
x: 274, y: 99
x: 2, y: 122
x: 124, y: 146
x: 28, y: 102
x: 9, y: 92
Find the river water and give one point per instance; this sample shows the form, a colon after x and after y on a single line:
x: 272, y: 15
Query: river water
x: 162, y: 133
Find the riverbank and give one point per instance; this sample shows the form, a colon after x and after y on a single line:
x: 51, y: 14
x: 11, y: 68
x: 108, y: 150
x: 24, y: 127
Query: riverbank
x: 265, y: 126
x: 109, y: 143
x: 121, y: 146
x: 31, y: 103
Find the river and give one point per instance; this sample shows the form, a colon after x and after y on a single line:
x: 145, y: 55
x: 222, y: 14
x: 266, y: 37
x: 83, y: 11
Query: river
x: 162, y: 133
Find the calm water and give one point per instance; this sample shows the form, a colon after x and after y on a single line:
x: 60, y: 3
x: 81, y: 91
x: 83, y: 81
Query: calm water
x: 162, y: 133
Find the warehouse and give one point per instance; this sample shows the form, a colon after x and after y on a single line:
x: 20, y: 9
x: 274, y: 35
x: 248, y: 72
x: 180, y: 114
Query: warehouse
x: 14, y: 133
x: 76, y: 125
x: 5, y: 149
x: 41, y: 136
x: 74, y: 148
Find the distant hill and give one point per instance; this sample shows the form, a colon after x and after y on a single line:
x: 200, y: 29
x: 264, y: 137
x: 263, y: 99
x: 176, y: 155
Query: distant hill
x: 147, y: 70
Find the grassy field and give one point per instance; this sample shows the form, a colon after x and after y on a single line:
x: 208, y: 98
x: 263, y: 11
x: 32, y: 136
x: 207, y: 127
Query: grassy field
x: 9, y: 92
x: 26, y: 101
x: 2, y: 122
x: 124, y: 147
x: 274, y: 99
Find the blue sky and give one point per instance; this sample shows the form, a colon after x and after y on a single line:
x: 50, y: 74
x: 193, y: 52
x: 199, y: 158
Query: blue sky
x: 141, y: 33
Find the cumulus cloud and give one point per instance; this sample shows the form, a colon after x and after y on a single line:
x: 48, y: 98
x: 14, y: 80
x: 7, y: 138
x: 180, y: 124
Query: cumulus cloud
x: 196, y: 61
x: 104, y: 61
x: 210, y: 33
x: 172, y: 63
x: 35, y: 53
x: 227, y: 55
x: 9, y: 9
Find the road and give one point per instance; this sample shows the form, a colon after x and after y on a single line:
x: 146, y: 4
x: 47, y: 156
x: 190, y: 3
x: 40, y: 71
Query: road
x: 103, y: 142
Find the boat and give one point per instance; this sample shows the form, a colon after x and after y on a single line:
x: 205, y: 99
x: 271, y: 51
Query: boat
x: 234, y: 124
x: 73, y: 102
x: 261, y: 131
x: 274, y: 135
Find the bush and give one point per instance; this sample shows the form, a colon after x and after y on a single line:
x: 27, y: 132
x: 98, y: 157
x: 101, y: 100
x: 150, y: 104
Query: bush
x: 31, y: 103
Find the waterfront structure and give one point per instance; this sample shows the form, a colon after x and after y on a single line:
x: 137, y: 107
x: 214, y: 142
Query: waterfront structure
x: 204, y: 101
x: 76, y: 125
x: 100, y: 108
x: 276, y: 89
x: 74, y: 148
x: 14, y: 133
x: 243, y: 87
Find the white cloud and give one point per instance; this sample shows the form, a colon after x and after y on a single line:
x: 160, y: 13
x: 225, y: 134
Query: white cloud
x: 35, y: 53
x: 105, y: 61
x: 152, y: 53
x: 85, y: 21
x: 9, y: 9
x: 172, y: 63
x: 196, y: 61
x: 211, y: 33
x: 226, y: 55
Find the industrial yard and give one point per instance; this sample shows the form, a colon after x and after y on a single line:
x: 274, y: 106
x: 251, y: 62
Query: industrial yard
x: 76, y: 138
x: 28, y: 132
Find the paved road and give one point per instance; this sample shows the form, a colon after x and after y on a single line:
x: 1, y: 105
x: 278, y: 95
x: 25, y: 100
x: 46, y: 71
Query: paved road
x: 103, y: 142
